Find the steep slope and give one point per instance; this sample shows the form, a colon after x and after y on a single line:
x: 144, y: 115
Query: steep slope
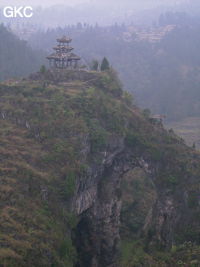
x: 72, y: 147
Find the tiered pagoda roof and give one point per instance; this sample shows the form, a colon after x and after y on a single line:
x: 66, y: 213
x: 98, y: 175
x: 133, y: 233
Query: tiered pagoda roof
x: 63, y: 57
x: 64, y: 39
x: 62, y: 47
x: 69, y: 56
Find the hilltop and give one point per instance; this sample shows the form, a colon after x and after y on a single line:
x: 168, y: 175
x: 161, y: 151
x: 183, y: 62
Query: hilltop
x: 78, y: 157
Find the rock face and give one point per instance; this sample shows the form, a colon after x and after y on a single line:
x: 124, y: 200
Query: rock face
x: 172, y: 220
x: 99, y: 205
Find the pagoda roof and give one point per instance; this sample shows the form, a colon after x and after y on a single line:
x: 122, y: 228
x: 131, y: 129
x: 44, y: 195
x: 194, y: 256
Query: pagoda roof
x: 54, y: 55
x: 64, y: 39
x: 64, y: 56
x: 60, y: 47
x: 74, y: 56
x: 63, y: 51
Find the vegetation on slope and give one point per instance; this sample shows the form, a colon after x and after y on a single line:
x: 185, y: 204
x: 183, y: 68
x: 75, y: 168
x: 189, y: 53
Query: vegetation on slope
x: 41, y: 141
x: 44, y: 125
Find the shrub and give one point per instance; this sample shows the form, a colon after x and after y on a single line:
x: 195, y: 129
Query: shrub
x: 70, y: 184
x: 128, y: 98
x: 43, y: 69
x: 172, y: 180
x: 193, y: 200
x: 105, y: 64
x: 67, y: 251
x: 147, y: 113
x: 95, y: 65
x: 98, y: 137
x: 133, y: 139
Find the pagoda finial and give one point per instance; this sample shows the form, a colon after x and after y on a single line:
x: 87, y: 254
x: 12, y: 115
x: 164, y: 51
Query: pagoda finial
x: 64, y: 39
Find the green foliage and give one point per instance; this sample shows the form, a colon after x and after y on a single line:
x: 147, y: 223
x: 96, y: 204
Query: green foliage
x: 134, y: 255
x: 193, y: 199
x: 67, y: 252
x: 147, y: 112
x: 105, y: 64
x: 43, y: 69
x: 128, y: 98
x: 38, y: 89
x: 115, y: 86
x: 134, y: 139
x: 72, y: 220
x: 95, y: 65
x: 105, y: 80
x: 69, y: 185
x: 91, y: 91
x: 155, y: 152
x: 44, y: 211
x: 172, y: 180
x: 98, y: 137
x: 188, y: 233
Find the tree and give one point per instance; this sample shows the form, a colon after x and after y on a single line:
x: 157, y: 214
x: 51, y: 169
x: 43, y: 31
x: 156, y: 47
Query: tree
x: 147, y: 113
x: 43, y: 69
x: 95, y: 65
x: 194, y: 145
x: 105, y: 64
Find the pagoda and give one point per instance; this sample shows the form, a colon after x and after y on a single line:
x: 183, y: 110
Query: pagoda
x: 63, y: 58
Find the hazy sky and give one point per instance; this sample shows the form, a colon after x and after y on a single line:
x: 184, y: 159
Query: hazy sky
x: 141, y: 3
x: 39, y: 2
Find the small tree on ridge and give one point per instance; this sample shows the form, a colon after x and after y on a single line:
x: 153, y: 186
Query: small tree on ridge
x: 105, y: 64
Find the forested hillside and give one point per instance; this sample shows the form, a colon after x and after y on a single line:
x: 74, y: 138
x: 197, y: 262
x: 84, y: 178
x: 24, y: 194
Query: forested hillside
x: 16, y: 57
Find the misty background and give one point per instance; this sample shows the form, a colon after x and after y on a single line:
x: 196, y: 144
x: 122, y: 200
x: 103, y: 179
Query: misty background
x: 141, y: 3
x: 54, y: 13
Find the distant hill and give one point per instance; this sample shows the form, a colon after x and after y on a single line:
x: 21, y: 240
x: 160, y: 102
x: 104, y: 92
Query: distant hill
x: 16, y: 57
